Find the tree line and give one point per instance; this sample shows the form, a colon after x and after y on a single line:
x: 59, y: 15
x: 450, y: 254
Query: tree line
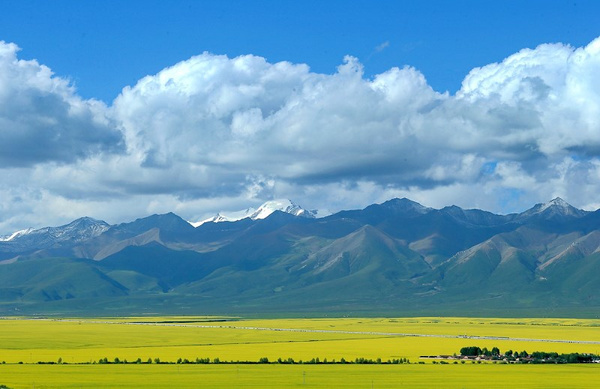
x: 524, y: 356
x: 263, y: 360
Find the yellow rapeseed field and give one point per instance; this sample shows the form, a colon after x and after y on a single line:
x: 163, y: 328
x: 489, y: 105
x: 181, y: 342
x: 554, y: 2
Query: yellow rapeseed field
x: 77, y: 341
x: 300, y: 376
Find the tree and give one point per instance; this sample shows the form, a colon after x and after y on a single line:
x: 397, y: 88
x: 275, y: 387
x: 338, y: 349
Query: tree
x: 472, y: 351
x: 495, y: 351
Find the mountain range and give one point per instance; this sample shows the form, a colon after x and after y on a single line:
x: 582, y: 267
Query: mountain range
x: 395, y: 258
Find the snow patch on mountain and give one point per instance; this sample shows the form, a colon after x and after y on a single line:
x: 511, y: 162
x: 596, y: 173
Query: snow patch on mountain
x: 285, y: 205
x: 15, y: 235
x: 218, y: 218
x: 557, y: 204
x: 226, y: 217
x: 76, y: 231
x: 262, y: 212
x: 553, y: 208
x: 405, y: 205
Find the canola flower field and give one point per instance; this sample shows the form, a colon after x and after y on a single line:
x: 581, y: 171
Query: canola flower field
x: 79, y: 344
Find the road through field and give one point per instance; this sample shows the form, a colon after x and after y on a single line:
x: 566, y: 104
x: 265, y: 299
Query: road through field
x: 373, y: 333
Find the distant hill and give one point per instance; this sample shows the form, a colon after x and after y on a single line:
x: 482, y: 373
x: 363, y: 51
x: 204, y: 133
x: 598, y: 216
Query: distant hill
x: 398, y: 257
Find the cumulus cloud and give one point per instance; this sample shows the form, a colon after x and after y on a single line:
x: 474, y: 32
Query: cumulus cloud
x: 249, y: 117
x: 43, y: 120
x: 217, y: 133
x: 246, y: 117
x: 547, y: 97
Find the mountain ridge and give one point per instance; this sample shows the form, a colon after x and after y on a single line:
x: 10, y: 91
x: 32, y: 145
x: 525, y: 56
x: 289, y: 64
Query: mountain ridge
x: 266, y: 209
x: 395, y: 256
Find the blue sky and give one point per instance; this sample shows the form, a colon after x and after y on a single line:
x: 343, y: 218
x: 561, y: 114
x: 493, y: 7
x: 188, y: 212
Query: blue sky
x: 119, y: 109
x: 103, y: 46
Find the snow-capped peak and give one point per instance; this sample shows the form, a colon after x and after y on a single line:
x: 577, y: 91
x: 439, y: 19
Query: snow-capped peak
x: 405, y: 205
x: 218, y: 218
x: 262, y: 212
x: 77, y: 231
x: 557, y: 202
x: 283, y: 205
x: 15, y: 235
x: 553, y: 208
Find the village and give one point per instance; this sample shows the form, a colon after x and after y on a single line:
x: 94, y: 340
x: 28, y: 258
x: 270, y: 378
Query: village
x: 479, y: 355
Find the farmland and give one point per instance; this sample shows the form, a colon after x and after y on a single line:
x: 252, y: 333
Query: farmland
x: 81, y: 343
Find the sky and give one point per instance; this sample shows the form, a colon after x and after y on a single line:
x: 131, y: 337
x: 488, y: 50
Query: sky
x: 118, y: 110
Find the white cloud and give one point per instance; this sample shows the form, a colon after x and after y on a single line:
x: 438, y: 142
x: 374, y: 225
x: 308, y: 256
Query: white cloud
x: 382, y: 46
x: 43, y: 120
x: 550, y: 95
x: 216, y: 133
x: 249, y: 117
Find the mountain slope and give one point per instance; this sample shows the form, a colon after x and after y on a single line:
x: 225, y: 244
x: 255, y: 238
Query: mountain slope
x: 396, y: 256
x: 366, y: 249
x: 52, y: 279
